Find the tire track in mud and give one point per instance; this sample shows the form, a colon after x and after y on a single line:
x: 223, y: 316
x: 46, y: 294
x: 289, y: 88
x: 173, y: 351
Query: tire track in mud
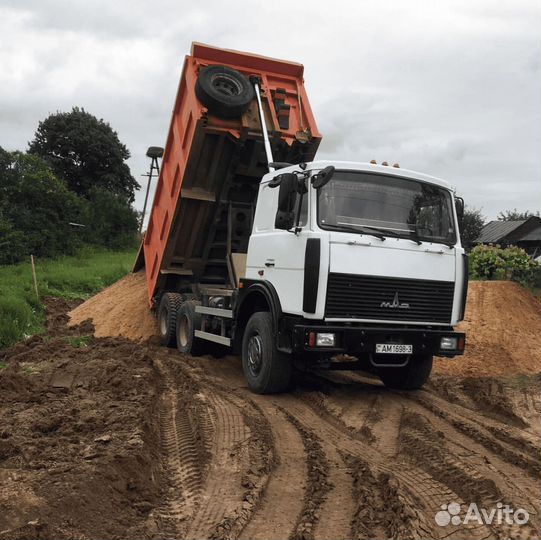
x: 217, y: 457
x: 464, y: 463
x: 425, y: 446
x: 418, y: 488
x: 261, y: 460
x: 468, y: 454
x: 318, y: 484
x: 282, y: 501
x: 309, y: 492
x: 182, y: 459
x: 403, y: 476
x: 339, y: 506
x: 525, y: 458
x: 222, y: 492
x: 380, y: 511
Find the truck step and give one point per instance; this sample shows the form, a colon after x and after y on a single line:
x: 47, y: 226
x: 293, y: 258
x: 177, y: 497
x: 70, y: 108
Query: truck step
x: 213, y: 337
x: 227, y: 313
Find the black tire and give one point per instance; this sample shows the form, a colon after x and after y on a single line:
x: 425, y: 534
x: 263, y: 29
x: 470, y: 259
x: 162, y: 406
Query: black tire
x: 167, y: 318
x: 267, y: 370
x: 224, y: 91
x: 187, y: 321
x: 410, y: 377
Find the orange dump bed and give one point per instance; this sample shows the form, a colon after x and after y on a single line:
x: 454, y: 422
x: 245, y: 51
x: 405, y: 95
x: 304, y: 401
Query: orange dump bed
x: 212, y: 166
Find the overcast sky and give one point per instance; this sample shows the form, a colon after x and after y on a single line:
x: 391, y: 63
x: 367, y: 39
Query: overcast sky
x: 451, y: 89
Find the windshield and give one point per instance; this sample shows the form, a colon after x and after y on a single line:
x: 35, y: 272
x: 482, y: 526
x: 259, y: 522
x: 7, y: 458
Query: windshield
x: 388, y: 204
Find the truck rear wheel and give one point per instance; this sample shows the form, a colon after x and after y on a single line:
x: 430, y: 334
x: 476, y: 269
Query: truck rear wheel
x: 187, y: 321
x: 266, y: 369
x: 224, y: 91
x: 409, y: 377
x: 167, y: 318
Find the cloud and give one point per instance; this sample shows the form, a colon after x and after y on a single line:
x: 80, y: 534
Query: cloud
x: 447, y: 88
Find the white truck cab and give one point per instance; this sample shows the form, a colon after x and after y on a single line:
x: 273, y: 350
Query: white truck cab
x: 384, y: 230
x: 353, y: 259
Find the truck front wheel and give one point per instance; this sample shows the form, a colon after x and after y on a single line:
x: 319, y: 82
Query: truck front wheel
x: 409, y: 377
x: 267, y: 370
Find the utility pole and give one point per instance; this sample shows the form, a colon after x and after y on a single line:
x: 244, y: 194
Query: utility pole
x: 153, y: 152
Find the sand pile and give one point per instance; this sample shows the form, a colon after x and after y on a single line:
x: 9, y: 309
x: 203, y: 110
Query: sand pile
x: 503, y: 332
x: 503, y: 323
x: 120, y: 310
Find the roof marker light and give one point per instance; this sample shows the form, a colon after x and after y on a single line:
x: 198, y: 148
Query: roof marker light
x: 373, y: 162
x: 384, y: 163
x: 396, y: 165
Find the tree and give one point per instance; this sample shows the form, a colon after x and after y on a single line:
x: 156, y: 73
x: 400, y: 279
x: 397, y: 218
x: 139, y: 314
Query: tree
x: 85, y: 152
x: 110, y: 221
x: 515, y: 215
x: 472, y: 224
x: 35, y: 209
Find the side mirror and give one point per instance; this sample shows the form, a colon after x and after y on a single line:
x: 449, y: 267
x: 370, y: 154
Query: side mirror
x: 322, y: 177
x: 459, y: 205
x: 285, y: 215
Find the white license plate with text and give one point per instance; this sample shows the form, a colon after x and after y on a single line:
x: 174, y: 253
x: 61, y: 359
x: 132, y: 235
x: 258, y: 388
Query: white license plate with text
x: 388, y: 348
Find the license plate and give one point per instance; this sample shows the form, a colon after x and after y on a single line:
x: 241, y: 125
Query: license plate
x: 388, y: 348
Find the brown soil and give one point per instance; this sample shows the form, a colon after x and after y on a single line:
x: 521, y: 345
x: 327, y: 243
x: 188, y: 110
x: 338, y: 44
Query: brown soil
x: 110, y: 438
x: 120, y: 310
x: 502, y: 325
x: 503, y: 332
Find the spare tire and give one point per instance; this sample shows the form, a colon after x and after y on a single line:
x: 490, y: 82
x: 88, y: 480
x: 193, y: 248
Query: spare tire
x: 224, y: 91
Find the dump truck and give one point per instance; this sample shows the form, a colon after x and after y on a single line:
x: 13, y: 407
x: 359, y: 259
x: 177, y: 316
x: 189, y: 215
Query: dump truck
x: 290, y: 262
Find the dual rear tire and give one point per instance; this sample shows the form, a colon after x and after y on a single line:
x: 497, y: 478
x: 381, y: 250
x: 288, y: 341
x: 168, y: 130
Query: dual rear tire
x: 177, y: 321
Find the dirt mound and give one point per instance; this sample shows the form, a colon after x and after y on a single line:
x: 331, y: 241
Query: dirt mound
x: 503, y: 338
x: 76, y: 431
x: 120, y: 310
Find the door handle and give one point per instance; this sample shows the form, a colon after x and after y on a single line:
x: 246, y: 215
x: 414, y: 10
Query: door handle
x: 268, y: 264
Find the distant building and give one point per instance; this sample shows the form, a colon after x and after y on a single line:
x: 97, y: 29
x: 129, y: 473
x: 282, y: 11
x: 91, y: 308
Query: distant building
x: 525, y: 233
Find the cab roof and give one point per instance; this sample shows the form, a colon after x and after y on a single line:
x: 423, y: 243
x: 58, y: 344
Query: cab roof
x: 368, y: 167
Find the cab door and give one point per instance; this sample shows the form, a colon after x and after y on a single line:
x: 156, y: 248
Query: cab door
x: 277, y: 255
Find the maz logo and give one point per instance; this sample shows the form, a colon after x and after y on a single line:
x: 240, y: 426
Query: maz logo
x: 395, y: 304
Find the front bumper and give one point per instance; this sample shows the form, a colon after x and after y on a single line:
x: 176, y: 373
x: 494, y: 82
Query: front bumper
x: 361, y: 340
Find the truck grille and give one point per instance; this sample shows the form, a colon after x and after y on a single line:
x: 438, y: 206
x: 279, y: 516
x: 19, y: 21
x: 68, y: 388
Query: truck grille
x: 382, y: 298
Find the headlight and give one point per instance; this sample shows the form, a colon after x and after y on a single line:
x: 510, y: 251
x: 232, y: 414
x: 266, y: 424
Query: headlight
x: 325, y: 340
x: 449, y: 344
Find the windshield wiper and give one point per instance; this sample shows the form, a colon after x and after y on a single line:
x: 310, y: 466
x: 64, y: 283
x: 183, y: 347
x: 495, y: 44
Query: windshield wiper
x: 357, y: 230
x: 412, y: 236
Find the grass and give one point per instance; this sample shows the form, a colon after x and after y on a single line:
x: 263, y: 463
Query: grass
x: 78, y: 342
x: 78, y: 276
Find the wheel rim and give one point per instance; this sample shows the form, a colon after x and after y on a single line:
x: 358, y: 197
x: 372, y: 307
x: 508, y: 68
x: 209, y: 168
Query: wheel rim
x: 226, y: 85
x: 183, y: 330
x: 163, y: 322
x: 255, y: 354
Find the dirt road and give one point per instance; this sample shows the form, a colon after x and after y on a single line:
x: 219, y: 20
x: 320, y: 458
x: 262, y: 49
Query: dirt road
x: 107, y: 438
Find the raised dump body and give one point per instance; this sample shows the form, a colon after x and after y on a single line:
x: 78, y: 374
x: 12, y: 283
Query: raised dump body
x: 214, y: 159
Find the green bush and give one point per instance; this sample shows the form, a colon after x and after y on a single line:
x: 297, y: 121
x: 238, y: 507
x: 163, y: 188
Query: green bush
x: 35, y: 210
x: 512, y: 263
